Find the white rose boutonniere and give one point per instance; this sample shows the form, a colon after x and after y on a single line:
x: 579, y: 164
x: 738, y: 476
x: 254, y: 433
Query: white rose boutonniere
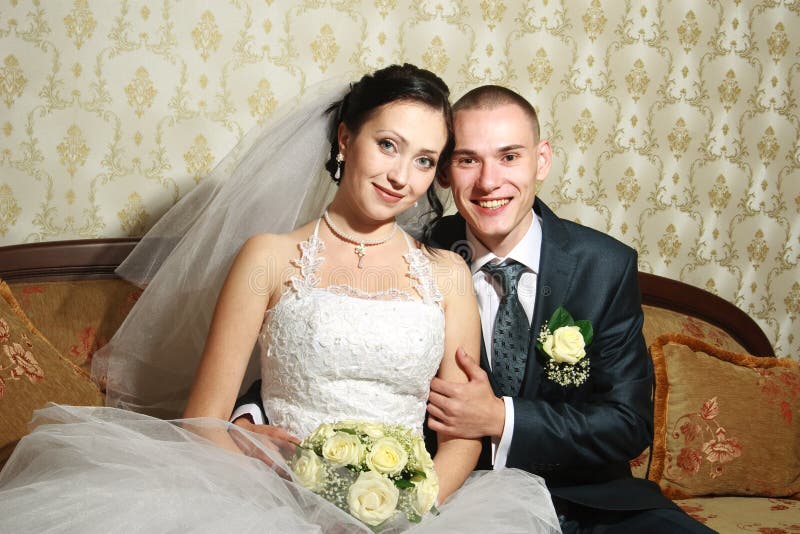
x: 563, y: 341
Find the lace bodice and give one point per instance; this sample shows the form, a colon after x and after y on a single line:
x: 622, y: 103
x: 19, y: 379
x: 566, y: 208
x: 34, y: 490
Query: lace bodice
x: 338, y: 353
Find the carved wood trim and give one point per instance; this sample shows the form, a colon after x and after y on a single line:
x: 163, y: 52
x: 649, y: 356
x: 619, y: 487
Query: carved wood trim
x: 64, y: 260
x: 684, y: 298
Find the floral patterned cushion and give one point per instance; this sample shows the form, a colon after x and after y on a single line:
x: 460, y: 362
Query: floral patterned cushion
x: 659, y: 321
x: 745, y: 514
x: 32, y: 373
x: 77, y: 317
x: 725, y: 423
x: 640, y: 464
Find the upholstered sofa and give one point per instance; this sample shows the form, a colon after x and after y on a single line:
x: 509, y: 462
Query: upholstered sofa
x: 727, y: 413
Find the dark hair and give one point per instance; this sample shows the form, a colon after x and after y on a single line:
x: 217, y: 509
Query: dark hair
x: 392, y: 84
x: 493, y: 96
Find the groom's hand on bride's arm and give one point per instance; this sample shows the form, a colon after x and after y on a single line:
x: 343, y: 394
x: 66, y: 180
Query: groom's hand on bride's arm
x: 466, y: 410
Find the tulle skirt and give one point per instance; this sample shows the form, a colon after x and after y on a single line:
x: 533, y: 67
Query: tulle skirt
x: 107, y: 470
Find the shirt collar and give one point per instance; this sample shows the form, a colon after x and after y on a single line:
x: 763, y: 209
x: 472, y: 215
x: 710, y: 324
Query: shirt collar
x: 527, y: 251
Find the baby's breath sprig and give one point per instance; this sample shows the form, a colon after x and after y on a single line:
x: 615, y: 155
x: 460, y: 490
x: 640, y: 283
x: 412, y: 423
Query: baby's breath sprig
x: 566, y: 374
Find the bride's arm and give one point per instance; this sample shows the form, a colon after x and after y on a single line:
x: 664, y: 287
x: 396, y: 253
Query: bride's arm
x: 456, y: 457
x: 253, y: 281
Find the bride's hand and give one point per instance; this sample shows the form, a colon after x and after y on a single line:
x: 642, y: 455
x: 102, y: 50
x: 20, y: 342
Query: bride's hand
x: 271, y: 437
x: 272, y: 432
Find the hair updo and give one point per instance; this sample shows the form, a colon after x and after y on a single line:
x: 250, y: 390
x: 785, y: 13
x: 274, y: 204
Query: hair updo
x: 392, y: 84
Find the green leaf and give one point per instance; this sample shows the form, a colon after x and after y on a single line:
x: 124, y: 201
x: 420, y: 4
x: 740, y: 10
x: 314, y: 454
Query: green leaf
x: 347, y: 431
x: 561, y: 317
x: 586, y: 331
x: 403, y: 483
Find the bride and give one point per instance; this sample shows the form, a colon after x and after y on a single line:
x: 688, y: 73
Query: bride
x: 353, y: 317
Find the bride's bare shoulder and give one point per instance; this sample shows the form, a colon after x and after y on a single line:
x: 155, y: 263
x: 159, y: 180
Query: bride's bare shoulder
x: 446, y: 261
x: 450, y: 271
x: 277, y: 246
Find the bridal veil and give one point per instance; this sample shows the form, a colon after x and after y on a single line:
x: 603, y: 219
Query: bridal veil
x: 272, y: 181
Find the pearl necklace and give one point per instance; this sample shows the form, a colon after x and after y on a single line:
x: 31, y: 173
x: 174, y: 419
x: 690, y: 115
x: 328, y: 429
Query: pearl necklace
x: 361, y: 244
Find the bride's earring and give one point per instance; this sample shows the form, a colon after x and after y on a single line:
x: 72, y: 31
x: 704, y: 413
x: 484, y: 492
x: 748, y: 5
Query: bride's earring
x: 339, y: 160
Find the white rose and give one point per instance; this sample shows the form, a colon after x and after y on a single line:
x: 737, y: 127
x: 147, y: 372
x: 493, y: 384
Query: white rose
x: 372, y: 498
x: 422, y: 455
x: 310, y: 470
x: 373, y: 430
x: 565, y: 345
x: 342, y: 449
x: 425, y: 492
x: 319, y: 435
x: 387, y: 456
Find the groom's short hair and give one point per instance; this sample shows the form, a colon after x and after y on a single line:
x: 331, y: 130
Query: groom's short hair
x: 493, y: 96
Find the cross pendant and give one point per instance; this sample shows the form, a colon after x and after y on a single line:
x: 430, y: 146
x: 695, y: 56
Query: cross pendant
x: 360, y: 251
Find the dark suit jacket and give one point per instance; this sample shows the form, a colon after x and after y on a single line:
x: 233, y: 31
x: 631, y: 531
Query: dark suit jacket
x: 580, y: 439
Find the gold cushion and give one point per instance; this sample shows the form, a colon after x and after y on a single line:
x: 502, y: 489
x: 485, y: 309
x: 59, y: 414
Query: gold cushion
x: 32, y: 373
x: 658, y: 321
x: 725, y: 423
x: 77, y: 317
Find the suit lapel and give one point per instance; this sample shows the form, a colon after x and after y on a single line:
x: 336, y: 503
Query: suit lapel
x: 556, y: 270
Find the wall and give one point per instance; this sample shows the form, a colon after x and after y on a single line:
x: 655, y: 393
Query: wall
x: 675, y: 123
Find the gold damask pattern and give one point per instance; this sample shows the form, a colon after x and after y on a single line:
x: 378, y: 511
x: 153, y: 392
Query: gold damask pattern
x: 12, y: 80
x: 206, y: 35
x: 140, y: 91
x: 80, y: 23
x: 73, y: 150
x: 9, y: 209
x: 675, y: 124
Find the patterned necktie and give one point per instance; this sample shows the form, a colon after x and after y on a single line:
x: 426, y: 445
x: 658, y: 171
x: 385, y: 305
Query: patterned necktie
x: 511, y: 330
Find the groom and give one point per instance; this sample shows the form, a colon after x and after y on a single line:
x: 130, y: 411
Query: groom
x: 578, y: 436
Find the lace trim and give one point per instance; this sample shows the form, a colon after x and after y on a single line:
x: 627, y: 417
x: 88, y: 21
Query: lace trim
x: 309, y: 264
x: 419, y: 270
x: 389, y: 294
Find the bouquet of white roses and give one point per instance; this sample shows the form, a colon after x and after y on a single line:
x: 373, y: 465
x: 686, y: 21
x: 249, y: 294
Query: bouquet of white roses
x: 374, y: 471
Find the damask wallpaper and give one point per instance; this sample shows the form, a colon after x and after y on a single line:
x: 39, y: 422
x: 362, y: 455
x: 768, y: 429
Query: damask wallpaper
x: 675, y: 122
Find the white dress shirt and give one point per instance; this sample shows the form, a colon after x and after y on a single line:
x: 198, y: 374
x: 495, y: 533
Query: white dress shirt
x: 249, y: 409
x: 527, y: 252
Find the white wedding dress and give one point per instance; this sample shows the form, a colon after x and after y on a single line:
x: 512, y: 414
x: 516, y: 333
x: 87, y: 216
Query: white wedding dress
x: 327, y: 354
x: 337, y: 353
